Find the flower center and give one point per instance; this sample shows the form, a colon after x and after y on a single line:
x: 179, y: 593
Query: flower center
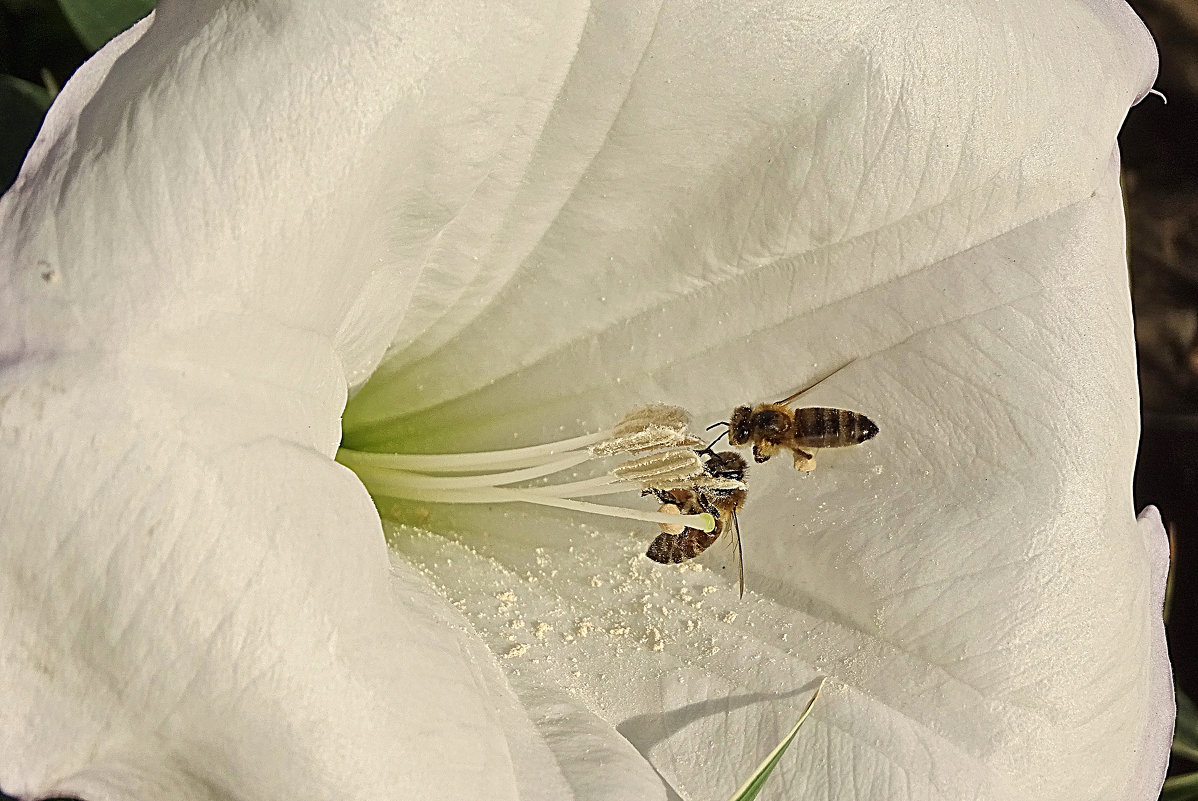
x: 655, y: 449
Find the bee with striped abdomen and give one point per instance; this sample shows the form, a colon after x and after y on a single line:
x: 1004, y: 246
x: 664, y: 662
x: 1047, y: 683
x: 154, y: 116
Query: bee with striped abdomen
x: 719, y: 491
x: 771, y: 427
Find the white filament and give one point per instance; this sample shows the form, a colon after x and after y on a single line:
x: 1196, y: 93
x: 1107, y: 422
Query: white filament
x: 658, y: 433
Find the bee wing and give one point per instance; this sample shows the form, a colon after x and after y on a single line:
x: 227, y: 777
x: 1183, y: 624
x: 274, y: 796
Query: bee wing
x: 740, y: 560
x: 727, y: 534
x: 810, y: 387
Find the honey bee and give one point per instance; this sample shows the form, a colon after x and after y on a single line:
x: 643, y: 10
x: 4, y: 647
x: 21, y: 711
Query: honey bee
x: 683, y: 543
x: 772, y: 427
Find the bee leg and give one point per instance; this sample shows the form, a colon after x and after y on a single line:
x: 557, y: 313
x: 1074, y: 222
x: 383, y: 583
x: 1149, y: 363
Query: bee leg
x: 661, y: 495
x: 804, y: 462
x: 762, y: 451
x: 707, y: 506
x: 669, y: 529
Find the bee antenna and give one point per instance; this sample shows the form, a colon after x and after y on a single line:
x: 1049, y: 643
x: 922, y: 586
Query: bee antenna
x: 713, y: 425
x: 711, y: 444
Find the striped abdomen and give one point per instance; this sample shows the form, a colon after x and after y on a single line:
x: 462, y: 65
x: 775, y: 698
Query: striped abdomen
x: 823, y: 427
x: 670, y: 549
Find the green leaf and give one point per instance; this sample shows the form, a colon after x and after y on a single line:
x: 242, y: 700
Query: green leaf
x: 97, y: 21
x: 24, y: 91
x: 1180, y: 788
x: 1185, y: 736
x: 17, y: 6
x: 22, y: 107
x: 752, y: 786
x: 49, y: 85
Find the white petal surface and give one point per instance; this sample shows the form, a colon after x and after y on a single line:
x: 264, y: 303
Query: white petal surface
x: 551, y: 216
x: 979, y: 593
x: 714, y: 185
x: 213, y: 237
x: 930, y: 193
x: 171, y: 632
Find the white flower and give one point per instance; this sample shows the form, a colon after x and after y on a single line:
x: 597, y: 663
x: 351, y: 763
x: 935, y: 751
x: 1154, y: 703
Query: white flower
x: 544, y: 215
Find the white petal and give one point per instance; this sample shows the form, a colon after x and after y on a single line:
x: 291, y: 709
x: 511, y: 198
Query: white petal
x: 698, y: 189
x: 191, y: 623
x: 214, y: 236
x: 887, y: 193
x: 973, y: 580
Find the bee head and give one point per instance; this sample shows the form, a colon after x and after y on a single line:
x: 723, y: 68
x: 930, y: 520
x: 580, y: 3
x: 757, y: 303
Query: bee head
x: 740, y: 430
x: 726, y: 464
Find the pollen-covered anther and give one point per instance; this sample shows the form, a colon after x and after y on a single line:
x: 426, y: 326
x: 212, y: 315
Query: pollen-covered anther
x: 675, y: 466
x: 648, y: 428
x: 711, y: 483
x: 655, y: 414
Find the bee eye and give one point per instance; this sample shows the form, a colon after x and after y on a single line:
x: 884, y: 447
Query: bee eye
x: 740, y: 429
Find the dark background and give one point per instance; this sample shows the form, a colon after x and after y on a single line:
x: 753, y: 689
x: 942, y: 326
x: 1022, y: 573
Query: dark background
x: 1160, y: 152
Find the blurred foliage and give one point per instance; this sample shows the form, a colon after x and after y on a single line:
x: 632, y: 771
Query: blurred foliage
x: 97, y: 21
x: 35, y: 35
x: 42, y: 42
x: 1161, y: 184
x: 1181, y: 788
x: 1184, y: 786
x: 1185, y: 737
x: 22, y: 106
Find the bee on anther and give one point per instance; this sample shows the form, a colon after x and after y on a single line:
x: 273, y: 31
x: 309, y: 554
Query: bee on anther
x: 719, y: 491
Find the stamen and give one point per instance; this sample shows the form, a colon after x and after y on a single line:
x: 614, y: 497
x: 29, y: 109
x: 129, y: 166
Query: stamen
x: 658, y: 431
x: 655, y: 414
x: 646, y: 429
x: 703, y: 521
x: 419, y: 480
x: 467, y: 462
x: 672, y: 465
x: 703, y: 482
x: 647, y: 439
x: 639, y: 429
x: 677, y: 467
